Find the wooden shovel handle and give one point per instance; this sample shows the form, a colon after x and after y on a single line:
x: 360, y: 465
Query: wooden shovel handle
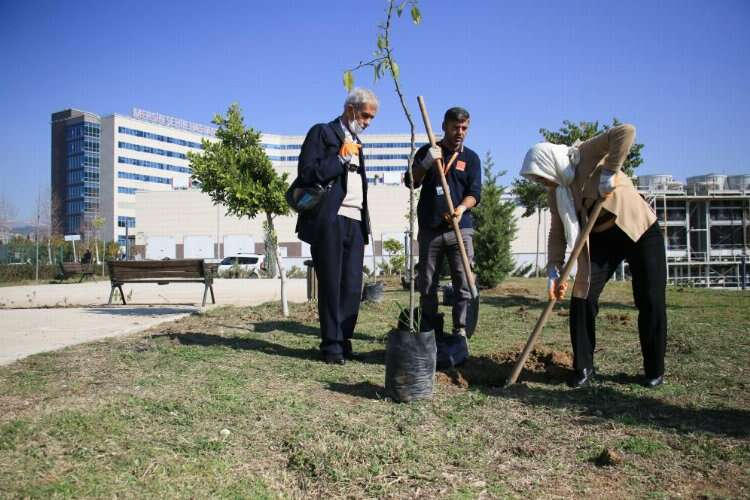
x: 449, y: 201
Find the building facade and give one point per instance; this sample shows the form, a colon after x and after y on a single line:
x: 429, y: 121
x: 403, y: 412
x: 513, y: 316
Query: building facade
x: 706, y: 226
x: 99, y: 164
x: 75, y: 171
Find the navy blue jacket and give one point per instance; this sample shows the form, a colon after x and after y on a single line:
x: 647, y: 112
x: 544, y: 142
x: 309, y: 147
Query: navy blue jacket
x: 318, y: 164
x: 464, y: 179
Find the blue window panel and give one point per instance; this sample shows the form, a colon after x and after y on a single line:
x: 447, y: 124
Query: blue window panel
x: 379, y: 168
x: 158, y: 137
x: 126, y: 190
x: 147, y: 149
x: 153, y: 164
x: 123, y: 221
x: 144, y: 178
x: 283, y: 158
x: 281, y: 146
x: 386, y: 157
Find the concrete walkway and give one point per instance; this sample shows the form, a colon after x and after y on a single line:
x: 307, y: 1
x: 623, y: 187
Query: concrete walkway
x: 43, y: 318
x: 240, y: 292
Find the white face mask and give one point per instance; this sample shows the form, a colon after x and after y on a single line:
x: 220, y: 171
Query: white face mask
x: 355, y: 127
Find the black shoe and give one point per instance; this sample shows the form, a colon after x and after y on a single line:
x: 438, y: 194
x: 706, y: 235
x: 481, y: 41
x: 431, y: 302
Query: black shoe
x: 334, y: 359
x: 348, y: 352
x: 582, y: 378
x: 653, y: 382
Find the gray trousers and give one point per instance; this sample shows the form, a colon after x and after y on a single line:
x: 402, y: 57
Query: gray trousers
x: 434, y: 245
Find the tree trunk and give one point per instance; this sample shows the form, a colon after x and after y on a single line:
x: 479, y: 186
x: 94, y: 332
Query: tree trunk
x: 538, y: 225
x: 49, y: 250
x: 279, y: 264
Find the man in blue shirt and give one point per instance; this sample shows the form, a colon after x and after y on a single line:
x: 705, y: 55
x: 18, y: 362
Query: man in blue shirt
x: 436, y: 238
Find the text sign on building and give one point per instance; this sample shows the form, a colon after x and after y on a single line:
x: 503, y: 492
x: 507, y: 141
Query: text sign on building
x: 72, y: 237
x: 171, y: 121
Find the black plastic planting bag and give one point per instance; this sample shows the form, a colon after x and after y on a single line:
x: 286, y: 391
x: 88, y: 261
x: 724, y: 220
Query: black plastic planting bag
x: 410, y: 365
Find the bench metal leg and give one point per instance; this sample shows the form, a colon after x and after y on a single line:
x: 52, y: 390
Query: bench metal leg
x: 83, y: 275
x: 205, y: 292
x: 213, y: 299
x: 122, y: 295
x: 111, y: 294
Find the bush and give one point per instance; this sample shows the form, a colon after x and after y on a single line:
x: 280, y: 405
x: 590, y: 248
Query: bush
x: 524, y: 270
x: 296, y: 273
x: 495, y: 229
x: 14, y: 273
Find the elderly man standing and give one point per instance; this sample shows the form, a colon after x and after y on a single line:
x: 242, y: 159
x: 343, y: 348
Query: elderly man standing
x: 337, y: 228
x: 437, y: 239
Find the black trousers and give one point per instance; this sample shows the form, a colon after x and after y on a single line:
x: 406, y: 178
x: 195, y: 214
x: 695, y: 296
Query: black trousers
x: 646, y: 259
x: 337, y: 259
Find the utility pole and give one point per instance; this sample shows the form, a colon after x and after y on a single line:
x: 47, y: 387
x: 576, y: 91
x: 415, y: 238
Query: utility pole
x: 36, y: 238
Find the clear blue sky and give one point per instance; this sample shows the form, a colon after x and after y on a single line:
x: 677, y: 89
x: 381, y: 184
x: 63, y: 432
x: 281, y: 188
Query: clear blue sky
x: 678, y: 70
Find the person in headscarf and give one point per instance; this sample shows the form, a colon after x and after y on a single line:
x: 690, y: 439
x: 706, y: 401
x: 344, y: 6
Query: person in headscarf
x: 626, y: 229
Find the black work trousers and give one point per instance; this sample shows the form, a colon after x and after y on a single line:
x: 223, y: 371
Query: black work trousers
x: 646, y: 259
x: 337, y: 258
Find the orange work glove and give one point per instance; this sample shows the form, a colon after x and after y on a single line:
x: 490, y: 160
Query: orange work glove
x: 555, y: 288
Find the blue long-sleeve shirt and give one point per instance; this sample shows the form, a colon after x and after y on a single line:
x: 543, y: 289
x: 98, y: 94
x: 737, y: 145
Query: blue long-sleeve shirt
x: 464, y: 179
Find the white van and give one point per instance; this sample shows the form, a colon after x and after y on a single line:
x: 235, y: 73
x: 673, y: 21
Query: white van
x: 249, y: 264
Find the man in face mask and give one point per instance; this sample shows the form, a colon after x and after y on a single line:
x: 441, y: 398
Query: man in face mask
x: 337, y: 227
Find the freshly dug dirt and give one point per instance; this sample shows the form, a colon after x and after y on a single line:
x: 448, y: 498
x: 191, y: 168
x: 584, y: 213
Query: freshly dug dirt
x: 622, y: 319
x: 544, y: 365
x: 608, y: 457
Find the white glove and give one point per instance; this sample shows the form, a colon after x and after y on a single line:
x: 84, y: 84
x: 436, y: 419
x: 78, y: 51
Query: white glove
x: 433, y: 154
x: 607, y: 182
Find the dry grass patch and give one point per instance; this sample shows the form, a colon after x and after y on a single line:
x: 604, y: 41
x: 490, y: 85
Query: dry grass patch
x: 234, y: 403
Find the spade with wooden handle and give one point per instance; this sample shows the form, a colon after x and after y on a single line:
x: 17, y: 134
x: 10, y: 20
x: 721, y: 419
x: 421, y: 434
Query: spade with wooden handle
x: 449, y: 201
x: 553, y: 298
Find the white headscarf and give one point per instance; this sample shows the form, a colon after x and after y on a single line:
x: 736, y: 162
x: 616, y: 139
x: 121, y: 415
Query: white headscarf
x: 553, y: 162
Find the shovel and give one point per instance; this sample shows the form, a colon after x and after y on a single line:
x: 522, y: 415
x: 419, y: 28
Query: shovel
x: 553, y: 299
x: 472, y: 316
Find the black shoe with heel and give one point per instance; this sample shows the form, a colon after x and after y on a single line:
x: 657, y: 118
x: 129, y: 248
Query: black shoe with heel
x: 582, y: 378
x: 653, y: 382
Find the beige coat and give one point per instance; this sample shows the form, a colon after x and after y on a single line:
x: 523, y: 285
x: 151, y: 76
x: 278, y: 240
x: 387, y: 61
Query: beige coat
x: 632, y: 214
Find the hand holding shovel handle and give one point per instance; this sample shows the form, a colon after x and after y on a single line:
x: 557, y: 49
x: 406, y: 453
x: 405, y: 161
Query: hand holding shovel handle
x: 582, y: 237
x: 449, y: 200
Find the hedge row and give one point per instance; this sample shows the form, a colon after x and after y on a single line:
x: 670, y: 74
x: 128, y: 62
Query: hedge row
x: 11, y: 273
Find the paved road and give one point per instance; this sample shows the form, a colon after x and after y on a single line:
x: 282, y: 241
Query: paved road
x: 47, y: 317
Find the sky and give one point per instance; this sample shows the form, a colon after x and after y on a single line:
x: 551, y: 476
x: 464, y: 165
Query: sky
x: 678, y: 70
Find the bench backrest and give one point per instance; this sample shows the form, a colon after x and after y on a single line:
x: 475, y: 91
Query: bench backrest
x: 72, y: 267
x: 124, y: 270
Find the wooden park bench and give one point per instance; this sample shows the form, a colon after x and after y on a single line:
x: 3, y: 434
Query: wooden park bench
x: 70, y: 269
x: 161, y: 272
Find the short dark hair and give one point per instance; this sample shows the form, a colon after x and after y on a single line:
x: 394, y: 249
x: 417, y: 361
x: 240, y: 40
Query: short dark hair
x: 456, y: 115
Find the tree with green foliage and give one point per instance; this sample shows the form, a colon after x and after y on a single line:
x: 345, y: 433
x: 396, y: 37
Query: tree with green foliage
x: 236, y: 172
x: 571, y: 132
x: 385, y: 62
x: 533, y: 198
x: 396, y: 258
x: 495, y: 230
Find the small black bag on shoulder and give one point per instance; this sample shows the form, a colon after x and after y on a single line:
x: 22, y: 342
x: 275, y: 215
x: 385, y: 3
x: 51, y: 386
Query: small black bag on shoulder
x: 305, y: 198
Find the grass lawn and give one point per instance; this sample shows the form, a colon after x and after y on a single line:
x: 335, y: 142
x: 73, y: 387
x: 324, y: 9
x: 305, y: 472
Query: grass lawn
x: 143, y: 415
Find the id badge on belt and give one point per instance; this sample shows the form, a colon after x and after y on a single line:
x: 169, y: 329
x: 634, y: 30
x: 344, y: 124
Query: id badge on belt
x: 439, y: 191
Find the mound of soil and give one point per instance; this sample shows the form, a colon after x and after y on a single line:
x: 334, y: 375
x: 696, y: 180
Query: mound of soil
x: 544, y: 365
